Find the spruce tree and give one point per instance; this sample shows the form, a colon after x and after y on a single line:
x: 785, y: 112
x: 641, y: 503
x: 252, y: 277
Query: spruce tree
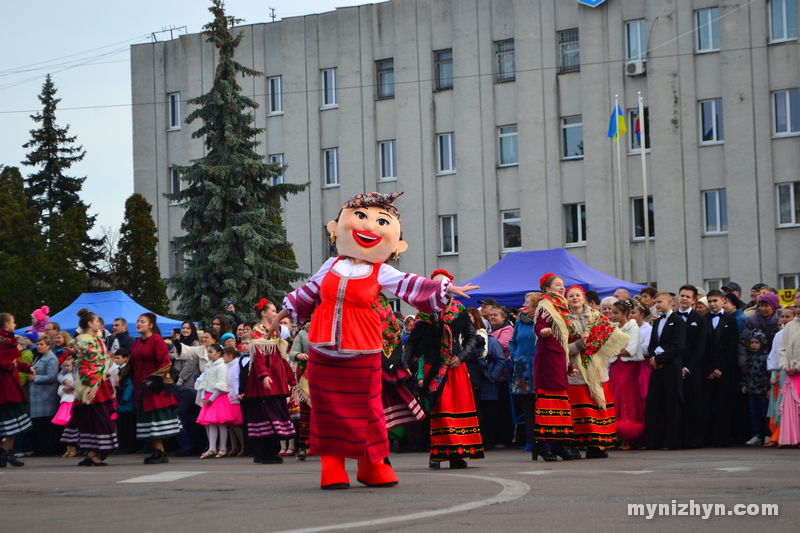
x: 49, y: 190
x: 20, y: 249
x: 234, y: 244
x: 63, y: 277
x: 135, y: 265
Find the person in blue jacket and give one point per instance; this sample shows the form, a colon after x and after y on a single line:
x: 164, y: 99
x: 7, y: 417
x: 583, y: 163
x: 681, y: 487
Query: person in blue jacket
x: 522, y: 348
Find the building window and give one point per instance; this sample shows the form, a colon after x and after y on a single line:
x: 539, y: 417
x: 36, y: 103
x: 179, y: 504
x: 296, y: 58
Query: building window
x: 572, y: 137
x: 788, y: 206
x: 395, y: 304
x: 638, y: 218
x: 787, y: 111
x: 278, y: 161
x: 331, y: 164
x: 443, y: 65
x: 509, y: 145
x: 174, y: 111
x: 447, y: 153
x: 512, y: 231
x: 636, y: 43
x: 575, y: 218
x: 569, y: 46
x: 505, y: 61
x: 711, y: 125
x: 275, y: 95
x: 716, y: 212
x: 176, y: 267
x: 327, y: 244
x: 330, y: 87
x: 385, y: 70
x: 716, y: 284
x: 388, y: 157
x: 448, y: 235
x: 707, y: 21
x: 635, y: 123
x: 175, y: 183
x: 782, y: 20
x: 789, y: 281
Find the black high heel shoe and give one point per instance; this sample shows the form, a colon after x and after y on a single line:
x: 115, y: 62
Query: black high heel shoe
x: 540, y: 450
x: 559, y: 450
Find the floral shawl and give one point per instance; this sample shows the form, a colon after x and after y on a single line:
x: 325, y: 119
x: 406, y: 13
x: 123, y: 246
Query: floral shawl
x: 390, y: 331
x: 442, y: 319
x: 553, y: 307
x: 605, y: 341
x: 92, y: 361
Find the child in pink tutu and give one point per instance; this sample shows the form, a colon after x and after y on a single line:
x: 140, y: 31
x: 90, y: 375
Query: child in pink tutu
x: 67, y: 393
x: 216, y: 411
x: 231, y: 357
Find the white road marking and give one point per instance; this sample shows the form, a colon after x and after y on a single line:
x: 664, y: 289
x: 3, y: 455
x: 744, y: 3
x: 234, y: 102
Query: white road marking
x: 512, y: 490
x: 162, y: 477
x: 585, y: 472
x: 735, y: 469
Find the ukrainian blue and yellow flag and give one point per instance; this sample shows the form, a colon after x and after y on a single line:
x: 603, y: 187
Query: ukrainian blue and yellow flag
x: 616, y: 126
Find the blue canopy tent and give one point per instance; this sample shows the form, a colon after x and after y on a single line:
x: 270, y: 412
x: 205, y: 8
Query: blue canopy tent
x: 518, y: 273
x: 107, y: 305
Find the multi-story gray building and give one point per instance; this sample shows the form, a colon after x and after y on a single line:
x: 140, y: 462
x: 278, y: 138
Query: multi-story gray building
x: 492, y: 116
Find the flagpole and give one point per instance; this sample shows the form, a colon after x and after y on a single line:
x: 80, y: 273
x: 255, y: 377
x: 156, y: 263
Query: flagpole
x: 645, y: 202
x: 621, y: 254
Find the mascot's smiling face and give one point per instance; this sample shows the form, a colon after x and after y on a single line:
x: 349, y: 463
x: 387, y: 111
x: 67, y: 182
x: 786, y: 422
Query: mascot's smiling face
x: 367, y: 233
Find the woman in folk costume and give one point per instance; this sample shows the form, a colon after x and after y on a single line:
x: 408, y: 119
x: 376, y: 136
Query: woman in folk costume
x: 624, y: 374
x: 90, y: 427
x: 551, y: 367
x: 593, y: 341
x: 443, y: 341
x: 269, y: 382
x: 157, y: 407
x: 344, y: 365
x: 400, y: 408
x: 14, y: 418
x: 298, y: 358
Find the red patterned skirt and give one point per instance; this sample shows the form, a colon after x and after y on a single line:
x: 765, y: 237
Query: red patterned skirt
x: 553, y: 415
x: 347, y: 412
x: 455, y: 431
x: 592, y: 426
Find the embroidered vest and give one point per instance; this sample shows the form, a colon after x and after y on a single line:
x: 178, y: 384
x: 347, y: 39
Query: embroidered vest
x: 345, y: 318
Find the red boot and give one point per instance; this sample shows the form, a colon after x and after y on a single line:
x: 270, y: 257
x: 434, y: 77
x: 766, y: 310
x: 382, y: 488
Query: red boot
x: 375, y: 474
x: 334, y: 476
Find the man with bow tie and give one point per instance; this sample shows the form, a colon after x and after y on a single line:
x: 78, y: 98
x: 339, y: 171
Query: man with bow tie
x: 718, y: 369
x: 662, y: 424
x: 692, y: 357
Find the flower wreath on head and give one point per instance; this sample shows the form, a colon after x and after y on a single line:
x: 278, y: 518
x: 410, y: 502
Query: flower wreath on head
x: 443, y: 272
x: 261, y: 303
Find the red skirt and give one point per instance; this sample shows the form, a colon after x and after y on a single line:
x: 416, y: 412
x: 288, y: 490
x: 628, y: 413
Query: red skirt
x: 553, y: 415
x: 628, y: 404
x: 347, y: 412
x: 592, y: 426
x: 455, y: 431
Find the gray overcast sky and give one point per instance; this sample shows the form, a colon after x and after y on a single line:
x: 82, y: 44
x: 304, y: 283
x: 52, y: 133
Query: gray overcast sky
x: 51, y: 36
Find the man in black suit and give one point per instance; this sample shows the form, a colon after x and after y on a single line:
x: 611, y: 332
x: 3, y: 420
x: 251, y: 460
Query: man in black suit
x: 718, y: 370
x: 692, y: 358
x: 662, y: 423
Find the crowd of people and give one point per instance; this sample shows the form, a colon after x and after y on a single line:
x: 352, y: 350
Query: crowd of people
x: 565, y: 372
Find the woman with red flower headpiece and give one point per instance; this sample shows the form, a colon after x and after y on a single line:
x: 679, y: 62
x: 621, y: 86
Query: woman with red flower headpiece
x: 344, y: 365
x: 269, y: 382
x: 550, y: 369
x: 442, y: 341
x: 592, y: 341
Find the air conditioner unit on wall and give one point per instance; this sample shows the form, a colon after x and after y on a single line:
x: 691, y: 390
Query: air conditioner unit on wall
x: 636, y: 67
